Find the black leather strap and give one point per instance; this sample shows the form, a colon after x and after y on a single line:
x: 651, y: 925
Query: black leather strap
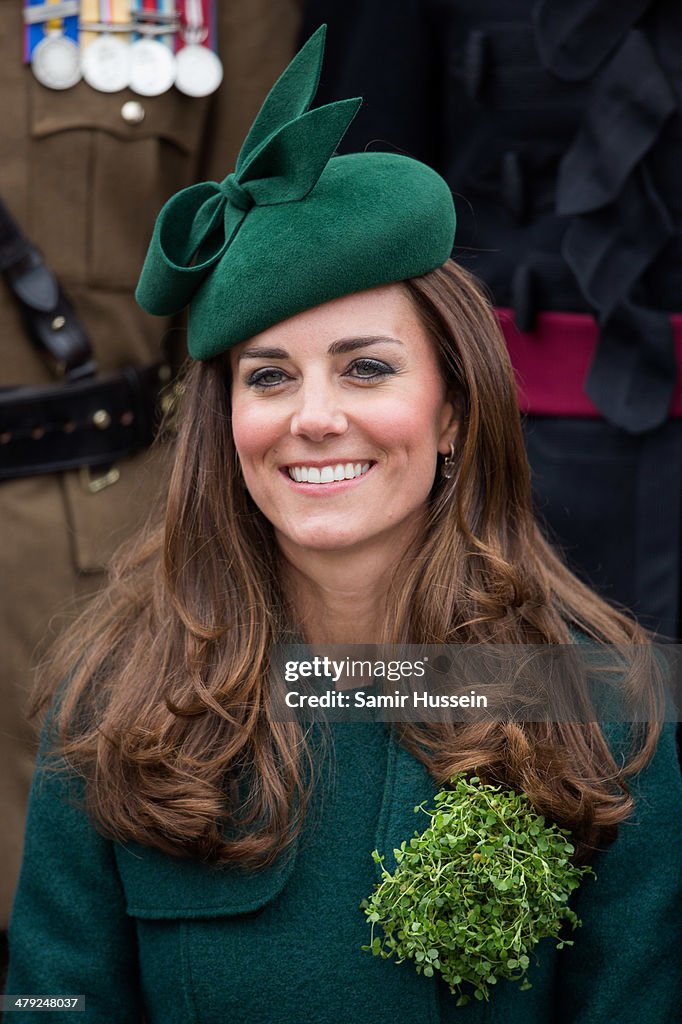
x: 50, y: 320
x: 87, y: 423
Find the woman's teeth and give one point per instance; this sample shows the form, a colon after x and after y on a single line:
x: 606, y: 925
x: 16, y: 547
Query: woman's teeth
x: 328, y: 474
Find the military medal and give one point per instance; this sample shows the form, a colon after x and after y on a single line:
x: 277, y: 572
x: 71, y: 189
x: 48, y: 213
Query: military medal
x: 152, y: 67
x: 56, y: 62
x: 50, y: 42
x: 199, y: 70
x: 106, y: 64
x: 105, y: 46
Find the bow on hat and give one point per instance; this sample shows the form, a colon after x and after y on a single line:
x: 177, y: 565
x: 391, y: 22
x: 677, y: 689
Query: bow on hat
x: 281, y: 160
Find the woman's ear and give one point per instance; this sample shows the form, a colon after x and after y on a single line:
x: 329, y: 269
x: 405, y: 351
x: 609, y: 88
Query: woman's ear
x: 449, y: 424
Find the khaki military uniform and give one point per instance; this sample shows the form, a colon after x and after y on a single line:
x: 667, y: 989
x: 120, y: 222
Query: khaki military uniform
x: 84, y: 174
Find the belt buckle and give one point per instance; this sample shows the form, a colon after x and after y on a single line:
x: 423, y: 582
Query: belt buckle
x: 92, y: 484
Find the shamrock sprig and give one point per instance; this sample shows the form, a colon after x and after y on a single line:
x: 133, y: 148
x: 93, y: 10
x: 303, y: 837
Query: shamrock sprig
x: 475, y: 892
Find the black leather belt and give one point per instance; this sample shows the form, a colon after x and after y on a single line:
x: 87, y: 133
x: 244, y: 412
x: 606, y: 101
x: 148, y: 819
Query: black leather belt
x: 89, y: 423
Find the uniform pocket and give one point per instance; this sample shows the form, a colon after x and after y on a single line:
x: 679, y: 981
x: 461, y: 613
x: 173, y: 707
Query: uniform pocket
x: 112, y: 160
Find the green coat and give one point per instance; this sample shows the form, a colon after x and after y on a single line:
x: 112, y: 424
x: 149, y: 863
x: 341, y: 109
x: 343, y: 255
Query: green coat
x: 137, y: 931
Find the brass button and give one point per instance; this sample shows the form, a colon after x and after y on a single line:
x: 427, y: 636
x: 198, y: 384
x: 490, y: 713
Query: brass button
x: 132, y: 112
x: 101, y: 419
x: 94, y: 484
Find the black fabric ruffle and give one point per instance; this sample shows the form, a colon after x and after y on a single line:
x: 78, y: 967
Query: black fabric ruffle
x: 632, y: 101
x: 619, y: 221
x: 574, y: 38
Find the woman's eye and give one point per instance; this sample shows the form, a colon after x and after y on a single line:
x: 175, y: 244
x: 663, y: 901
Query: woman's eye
x: 369, y: 369
x: 266, y: 377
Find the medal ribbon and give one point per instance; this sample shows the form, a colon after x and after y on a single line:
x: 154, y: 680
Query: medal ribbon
x: 198, y: 18
x: 38, y: 23
x: 104, y: 12
x: 167, y: 7
x: 162, y: 7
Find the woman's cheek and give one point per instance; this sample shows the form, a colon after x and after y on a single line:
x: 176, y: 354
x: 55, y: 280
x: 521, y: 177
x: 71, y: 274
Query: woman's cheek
x: 254, y: 431
x: 404, y: 425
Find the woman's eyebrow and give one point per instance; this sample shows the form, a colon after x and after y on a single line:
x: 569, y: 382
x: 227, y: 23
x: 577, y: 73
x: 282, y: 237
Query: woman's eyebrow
x: 352, y: 344
x: 263, y: 353
x: 340, y: 347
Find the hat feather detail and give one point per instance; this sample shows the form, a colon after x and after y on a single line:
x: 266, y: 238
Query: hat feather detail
x: 290, y: 96
x: 288, y: 166
x: 281, y: 161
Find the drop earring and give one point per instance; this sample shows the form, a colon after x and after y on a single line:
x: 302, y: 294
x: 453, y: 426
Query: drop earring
x: 447, y: 470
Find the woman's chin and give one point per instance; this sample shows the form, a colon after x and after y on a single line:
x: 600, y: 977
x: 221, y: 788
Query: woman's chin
x: 377, y: 545
x: 322, y: 541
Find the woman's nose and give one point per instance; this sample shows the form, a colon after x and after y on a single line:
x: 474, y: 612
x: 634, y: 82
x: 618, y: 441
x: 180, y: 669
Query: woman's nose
x: 318, y: 413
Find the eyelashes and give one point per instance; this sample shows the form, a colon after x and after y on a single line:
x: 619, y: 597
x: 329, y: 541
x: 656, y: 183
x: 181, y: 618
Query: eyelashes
x: 365, y: 369
x: 369, y: 369
x: 263, y: 378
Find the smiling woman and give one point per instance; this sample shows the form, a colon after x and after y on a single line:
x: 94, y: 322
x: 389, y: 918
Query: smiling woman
x: 349, y: 468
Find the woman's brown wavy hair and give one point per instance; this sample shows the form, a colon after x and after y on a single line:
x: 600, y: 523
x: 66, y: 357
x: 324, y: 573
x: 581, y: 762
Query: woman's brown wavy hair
x: 165, y: 712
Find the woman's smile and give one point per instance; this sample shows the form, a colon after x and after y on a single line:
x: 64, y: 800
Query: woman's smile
x: 329, y: 472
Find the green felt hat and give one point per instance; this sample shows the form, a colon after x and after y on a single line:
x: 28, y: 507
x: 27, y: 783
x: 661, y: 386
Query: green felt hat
x: 293, y: 226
